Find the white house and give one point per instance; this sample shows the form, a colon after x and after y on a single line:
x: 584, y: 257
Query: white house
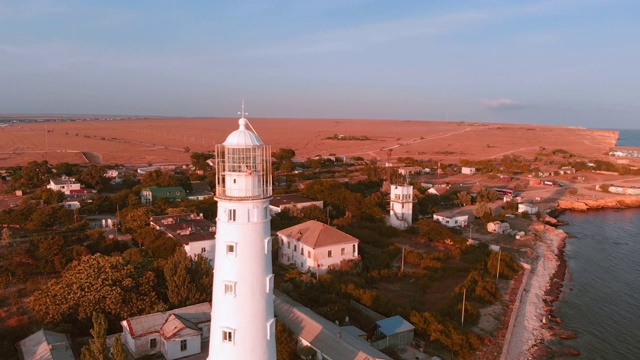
x: 451, y: 220
x: 529, y: 208
x: 71, y: 204
x: 175, y: 333
x: 409, y: 170
x: 291, y: 201
x: 45, y: 345
x: 468, y: 170
x: 316, y: 246
x: 64, y: 184
x: 196, y: 234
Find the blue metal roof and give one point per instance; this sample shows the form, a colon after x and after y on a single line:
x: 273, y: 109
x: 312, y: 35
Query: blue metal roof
x: 394, y: 325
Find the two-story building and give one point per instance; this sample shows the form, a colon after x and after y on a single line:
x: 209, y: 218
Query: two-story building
x: 64, y: 184
x: 196, y: 234
x: 291, y: 201
x: 316, y: 246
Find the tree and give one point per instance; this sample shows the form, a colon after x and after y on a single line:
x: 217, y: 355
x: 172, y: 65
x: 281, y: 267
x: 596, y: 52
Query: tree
x: 199, y: 160
x: 34, y: 174
x: 6, y: 237
x: 189, y: 280
x: 483, y: 211
x: 51, y: 218
x: 93, y: 177
x: 463, y: 199
x: 284, y: 154
x: 286, y: 342
x: 98, y: 283
x: 97, y: 348
x: 137, y: 218
x: 119, y: 353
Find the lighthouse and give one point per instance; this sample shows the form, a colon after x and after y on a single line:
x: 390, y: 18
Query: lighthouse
x: 242, y: 318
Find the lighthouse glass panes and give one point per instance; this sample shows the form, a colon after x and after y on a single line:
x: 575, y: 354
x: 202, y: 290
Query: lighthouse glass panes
x: 243, y: 171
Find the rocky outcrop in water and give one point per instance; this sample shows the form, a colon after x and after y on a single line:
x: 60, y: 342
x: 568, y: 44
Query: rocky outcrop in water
x: 618, y: 202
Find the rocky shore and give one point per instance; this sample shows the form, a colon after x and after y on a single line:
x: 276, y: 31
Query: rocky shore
x: 614, y: 202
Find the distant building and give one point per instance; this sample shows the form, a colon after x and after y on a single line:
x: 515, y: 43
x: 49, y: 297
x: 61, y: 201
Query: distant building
x: 498, y: 227
x: 71, y: 204
x: 529, y: 208
x: 450, y: 220
x: 196, y: 234
x: 200, y: 190
x: 45, y: 345
x: 64, y: 184
x: 468, y: 170
x: 409, y: 170
x: 401, y: 206
x: 175, y: 333
x: 316, y: 246
x: 291, y: 201
x: 152, y: 193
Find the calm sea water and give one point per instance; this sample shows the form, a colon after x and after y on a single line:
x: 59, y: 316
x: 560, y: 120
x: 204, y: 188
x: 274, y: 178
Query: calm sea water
x: 601, y: 301
x: 628, y: 137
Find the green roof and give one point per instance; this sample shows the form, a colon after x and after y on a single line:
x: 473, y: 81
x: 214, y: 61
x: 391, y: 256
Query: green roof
x: 171, y: 193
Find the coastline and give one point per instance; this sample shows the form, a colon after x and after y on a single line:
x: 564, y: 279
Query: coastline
x: 531, y: 329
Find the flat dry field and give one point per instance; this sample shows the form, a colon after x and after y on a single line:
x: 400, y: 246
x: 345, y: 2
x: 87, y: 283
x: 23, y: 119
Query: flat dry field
x: 163, y: 140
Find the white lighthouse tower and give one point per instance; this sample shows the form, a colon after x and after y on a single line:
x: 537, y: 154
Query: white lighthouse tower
x: 242, y: 318
x: 401, y: 207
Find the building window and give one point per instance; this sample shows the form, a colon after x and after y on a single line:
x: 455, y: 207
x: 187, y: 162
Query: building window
x: 230, y: 288
x: 203, y: 250
x: 231, y: 248
x: 309, y: 254
x: 354, y: 249
x: 342, y: 251
x: 288, y: 245
x: 295, y: 247
x: 183, y: 345
x: 271, y: 328
x: 232, y: 214
x: 301, y: 250
x: 270, y: 279
x: 228, y: 336
x: 330, y: 253
x: 153, y: 343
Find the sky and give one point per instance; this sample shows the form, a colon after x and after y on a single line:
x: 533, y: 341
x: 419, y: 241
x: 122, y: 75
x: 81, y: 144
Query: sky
x: 563, y: 62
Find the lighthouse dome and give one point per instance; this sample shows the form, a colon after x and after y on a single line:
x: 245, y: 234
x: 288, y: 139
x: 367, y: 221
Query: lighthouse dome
x: 243, y: 136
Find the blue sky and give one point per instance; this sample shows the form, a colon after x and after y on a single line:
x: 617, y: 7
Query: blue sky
x: 566, y: 62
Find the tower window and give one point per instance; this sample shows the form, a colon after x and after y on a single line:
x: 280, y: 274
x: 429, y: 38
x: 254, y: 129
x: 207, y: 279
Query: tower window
x: 228, y: 335
x: 342, y: 251
x: 330, y: 253
x: 232, y: 214
x: 231, y: 248
x: 230, y: 288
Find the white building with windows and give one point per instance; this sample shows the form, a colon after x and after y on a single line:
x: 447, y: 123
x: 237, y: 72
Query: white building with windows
x: 529, y: 208
x: 401, y: 206
x: 243, y: 321
x: 451, y: 220
x: 316, y: 246
x: 64, y: 184
x: 175, y: 333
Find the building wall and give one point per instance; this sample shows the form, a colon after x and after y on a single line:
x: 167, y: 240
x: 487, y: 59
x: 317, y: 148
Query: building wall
x: 451, y: 221
x: 196, y: 247
x: 289, y: 252
x: 276, y: 210
x: 468, y: 170
x: 172, y: 348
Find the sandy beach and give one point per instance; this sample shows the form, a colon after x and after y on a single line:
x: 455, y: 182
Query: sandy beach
x: 529, y: 332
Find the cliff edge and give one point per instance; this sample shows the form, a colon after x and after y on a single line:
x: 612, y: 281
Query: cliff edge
x: 618, y: 202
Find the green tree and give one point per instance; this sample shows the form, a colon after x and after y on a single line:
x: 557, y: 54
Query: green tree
x: 51, y: 218
x: 136, y: 218
x: 483, y: 211
x: 180, y: 287
x: 119, y: 353
x: 286, y: 343
x: 97, y: 348
x: 48, y: 196
x: 98, y: 283
x: 6, y: 237
x: 93, y: 177
x: 284, y: 154
x: 34, y: 174
x: 199, y: 160
x: 463, y: 199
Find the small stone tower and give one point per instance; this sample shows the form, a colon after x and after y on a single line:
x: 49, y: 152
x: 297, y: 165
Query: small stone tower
x: 401, y: 207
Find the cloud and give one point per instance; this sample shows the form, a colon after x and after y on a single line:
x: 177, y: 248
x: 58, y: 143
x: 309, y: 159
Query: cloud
x: 500, y: 104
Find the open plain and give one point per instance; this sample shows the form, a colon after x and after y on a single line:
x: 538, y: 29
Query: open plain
x: 168, y: 140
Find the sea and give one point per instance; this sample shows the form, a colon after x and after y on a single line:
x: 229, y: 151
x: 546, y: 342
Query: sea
x: 601, y: 298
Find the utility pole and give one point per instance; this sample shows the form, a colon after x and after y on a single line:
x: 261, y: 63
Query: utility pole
x: 498, y: 271
x: 464, y: 298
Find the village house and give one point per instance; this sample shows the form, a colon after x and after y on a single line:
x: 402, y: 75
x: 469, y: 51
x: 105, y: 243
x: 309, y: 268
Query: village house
x: 200, y: 190
x: 291, y: 201
x: 316, y: 246
x: 174, y: 333
x: 498, y: 227
x: 451, y: 220
x: 64, y: 184
x: 45, y: 345
x: 152, y: 193
x: 196, y: 234
x: 529, y: 208
x: 409, y: 170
